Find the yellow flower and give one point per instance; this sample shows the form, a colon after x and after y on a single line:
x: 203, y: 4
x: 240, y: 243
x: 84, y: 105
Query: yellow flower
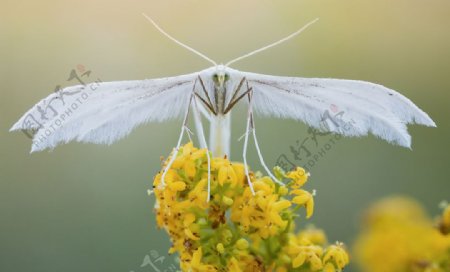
x: 197, y: 265
x: 242, y: 244
x: 220, y: 248
x: 234, y: 265
x: 315, y: 236
x: 304, y: 198
x: 336, y: 257
x: 444, y: 224
x: 398, y: 236
x: 191, y: 235
x: 238, y: 230
x: 298, y: 176
x: 227, y: 174
x: 177, y: 186
x: 299, y: 260
x: 188, y: 219
x: 189, y: 168
x: 228, y: 201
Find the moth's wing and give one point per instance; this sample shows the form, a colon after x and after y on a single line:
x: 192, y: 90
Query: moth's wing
x: 106, y: 111
x: 353, y: 108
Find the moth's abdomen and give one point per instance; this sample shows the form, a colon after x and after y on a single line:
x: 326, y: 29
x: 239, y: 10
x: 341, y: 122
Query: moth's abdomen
x: 220, y: 130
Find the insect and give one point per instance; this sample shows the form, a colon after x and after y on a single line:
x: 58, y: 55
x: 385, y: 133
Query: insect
x: 111, y: 110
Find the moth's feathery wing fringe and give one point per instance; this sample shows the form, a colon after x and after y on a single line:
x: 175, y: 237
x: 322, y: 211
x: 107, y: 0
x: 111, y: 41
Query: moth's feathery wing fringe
x: 370, y: 107
x: 110, y: 111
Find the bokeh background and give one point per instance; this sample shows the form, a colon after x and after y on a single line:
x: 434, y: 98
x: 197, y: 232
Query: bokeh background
x: 84, y: 207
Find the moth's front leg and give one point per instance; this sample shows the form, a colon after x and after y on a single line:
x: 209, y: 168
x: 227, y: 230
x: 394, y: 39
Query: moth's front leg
x: 207, y: 102
x: 234, y: 98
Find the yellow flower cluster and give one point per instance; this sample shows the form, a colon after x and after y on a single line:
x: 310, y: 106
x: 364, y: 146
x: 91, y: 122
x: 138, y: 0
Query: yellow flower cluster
x: 236, y: 230
x: 398, y: 236
x: 444, y: 221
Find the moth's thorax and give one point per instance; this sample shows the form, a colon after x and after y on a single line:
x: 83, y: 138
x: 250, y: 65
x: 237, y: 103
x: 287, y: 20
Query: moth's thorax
x: 220, y: 78
x: 220, y: 93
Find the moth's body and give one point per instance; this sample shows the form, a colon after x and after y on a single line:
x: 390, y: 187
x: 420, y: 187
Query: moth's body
x: 220, y: 125
x: 220, y: 134
x: 219, y: 98
x: 220, y: 79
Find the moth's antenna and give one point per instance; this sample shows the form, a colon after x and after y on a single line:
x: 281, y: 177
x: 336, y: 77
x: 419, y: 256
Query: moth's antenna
x: 177, y: 41
x: 273, y: 44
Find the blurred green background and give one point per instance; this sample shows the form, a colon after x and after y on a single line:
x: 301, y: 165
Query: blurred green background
x: 84, y: 207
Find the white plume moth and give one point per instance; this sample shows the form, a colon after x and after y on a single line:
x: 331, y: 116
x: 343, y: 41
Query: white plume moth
x: 113, y: 109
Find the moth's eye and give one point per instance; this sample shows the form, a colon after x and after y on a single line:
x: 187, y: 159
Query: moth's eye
x: 227, y: 76
x: 215, y: 76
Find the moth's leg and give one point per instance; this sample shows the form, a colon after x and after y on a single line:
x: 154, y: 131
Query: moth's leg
x: 237, y: 89
x: 207, y: 103
x: 258, y: 150
x: 204, y: 112
x: 233, y: 99
x: 198, y: 123
x: 177, y: 148
x: 189, y: 132
x: 210, y: 107
x: 197, y: 107
x: 202, y: 140
x: 244, y: 152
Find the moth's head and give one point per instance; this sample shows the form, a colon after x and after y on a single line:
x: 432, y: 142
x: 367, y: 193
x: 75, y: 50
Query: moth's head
x: 220, y: 76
